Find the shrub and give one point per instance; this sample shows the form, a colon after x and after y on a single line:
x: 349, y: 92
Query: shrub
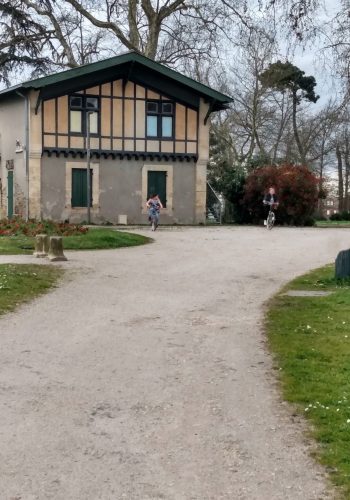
x: 345, y: 215
x: 336, y: 217
x: 320, y: 217
x: 296, y: 187
x: 18, y: 226
x: 309, y: 221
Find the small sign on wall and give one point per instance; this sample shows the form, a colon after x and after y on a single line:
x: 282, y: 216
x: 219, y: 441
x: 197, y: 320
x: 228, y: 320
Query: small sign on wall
x: 19, y: 146
x: 10, y: 164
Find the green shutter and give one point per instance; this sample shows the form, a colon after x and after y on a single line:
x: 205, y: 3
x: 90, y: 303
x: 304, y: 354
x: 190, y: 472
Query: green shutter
x: 10, y: 194
x: 157, y: 185
x: 79, y: 187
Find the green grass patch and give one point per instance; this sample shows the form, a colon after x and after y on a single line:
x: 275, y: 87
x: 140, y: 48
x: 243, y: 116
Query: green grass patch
x: 333, y: 223
x: 94, y: 239
x: 22, y: 282
x: 310, y: 337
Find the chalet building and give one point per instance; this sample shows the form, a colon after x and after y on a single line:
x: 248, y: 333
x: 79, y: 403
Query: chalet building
x: 330, y: 206
x: 149, y: 133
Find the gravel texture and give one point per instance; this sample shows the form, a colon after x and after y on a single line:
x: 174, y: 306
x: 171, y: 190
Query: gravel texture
x: 145, y: 374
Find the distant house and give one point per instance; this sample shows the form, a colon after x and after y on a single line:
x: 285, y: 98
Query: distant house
x: 149, y: 133
x: 330, y: 206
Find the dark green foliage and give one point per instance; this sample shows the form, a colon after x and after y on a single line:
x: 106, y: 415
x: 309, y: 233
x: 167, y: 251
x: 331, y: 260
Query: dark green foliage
x: 319, y: 217
x: 231, y: 185
x: 336, y: 216
x: 22, y: 38
x: 285, y: 76
x: 309, y: 221
x: 345, y: 215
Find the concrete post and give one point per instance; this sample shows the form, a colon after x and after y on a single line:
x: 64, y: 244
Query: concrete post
x: 41, y: 245
x: 56, y: 249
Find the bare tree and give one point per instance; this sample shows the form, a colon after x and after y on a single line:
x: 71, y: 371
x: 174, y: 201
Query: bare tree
x: 65, y: 33
x: 43, y: 35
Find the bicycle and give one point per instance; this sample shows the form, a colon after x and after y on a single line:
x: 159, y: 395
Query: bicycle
x: 154, y: 220
x: 271, y: 217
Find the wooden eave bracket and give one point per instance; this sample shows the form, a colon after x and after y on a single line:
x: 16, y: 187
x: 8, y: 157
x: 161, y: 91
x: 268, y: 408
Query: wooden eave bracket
x: 128, y: 76
x: 210, y: 110
x: 38, y: 101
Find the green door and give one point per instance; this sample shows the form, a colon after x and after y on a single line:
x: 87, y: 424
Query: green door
x: 79, y: 187
x: 156, y: 184
x: 10, y: 194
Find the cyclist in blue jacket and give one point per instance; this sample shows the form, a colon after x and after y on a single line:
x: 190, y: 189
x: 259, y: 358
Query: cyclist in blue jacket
x: 270, y: 199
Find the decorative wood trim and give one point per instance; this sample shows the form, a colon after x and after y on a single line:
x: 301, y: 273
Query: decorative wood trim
x: 117, y: 132
x: 129, y: 155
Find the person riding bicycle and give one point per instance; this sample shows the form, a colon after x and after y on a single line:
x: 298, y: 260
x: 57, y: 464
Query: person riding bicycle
x: 270, y: 200
x: 154, y: 205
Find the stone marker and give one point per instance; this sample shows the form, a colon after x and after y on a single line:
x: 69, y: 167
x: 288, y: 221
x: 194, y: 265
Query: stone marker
x: 56, y: 249
x: 342, y: 265
x: 308, y: 293
x: 41, y: 245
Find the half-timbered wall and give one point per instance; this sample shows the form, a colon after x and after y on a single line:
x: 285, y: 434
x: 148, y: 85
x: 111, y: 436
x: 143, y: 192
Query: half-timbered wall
x: 122, y: 122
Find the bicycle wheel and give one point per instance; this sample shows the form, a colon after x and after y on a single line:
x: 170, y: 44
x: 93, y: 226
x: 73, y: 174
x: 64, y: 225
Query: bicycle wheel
x: 270, y: 220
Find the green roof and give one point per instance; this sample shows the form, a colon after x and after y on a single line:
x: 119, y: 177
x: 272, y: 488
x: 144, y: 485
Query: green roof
x: 130, y: 58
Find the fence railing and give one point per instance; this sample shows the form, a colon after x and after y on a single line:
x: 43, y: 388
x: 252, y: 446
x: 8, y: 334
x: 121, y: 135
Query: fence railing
x: 215, y: 205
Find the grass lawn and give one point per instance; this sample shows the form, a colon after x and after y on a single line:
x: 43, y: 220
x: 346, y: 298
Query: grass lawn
x: 332, y: 223
x: 94, y: 239
x: 22, y: 282
x: 310, y: 337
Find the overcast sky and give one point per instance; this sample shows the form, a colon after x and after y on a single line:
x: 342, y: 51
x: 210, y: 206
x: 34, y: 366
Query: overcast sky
x: 314, y: 61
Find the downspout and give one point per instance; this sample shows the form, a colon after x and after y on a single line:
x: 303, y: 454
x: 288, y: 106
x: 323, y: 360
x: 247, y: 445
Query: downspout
x: 26, y: 147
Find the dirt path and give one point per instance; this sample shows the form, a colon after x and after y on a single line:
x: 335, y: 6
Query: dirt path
x: 145, y: 375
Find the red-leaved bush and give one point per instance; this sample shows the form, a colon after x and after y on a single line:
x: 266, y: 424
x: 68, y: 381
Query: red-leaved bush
x: 17, y: 226
x: 296, y: 187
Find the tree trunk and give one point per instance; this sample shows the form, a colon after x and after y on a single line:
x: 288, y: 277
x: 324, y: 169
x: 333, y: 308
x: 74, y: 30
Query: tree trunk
x: 153, y: 37
x: 132, y: 20
x: 320, y: 172
x: 295, y: 128
x: 340, y: 178
x: 347, y: 172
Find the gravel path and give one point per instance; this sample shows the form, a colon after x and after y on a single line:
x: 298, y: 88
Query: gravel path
x: 146, y: 375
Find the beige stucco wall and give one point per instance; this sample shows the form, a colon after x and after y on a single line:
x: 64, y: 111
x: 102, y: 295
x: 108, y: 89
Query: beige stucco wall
x: 119, y: 188
x: 35, y: 152
x: 12, y: 128
x: 201, y: 166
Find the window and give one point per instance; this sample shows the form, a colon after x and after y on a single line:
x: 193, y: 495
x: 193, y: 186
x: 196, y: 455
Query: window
x: 160, y: 119
x: 79, y: 187
x: 156, y: 184
x: 80, y: 108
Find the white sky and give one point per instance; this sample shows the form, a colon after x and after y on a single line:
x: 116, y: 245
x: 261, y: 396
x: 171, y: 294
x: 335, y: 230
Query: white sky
x: 314, y: 61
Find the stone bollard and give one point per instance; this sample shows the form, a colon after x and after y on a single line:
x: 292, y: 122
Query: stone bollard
x: 41, y: 245
x: 342, y: 265
x: 56, y: 249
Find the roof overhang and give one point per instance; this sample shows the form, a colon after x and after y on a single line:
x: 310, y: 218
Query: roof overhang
x: 129, y: 67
